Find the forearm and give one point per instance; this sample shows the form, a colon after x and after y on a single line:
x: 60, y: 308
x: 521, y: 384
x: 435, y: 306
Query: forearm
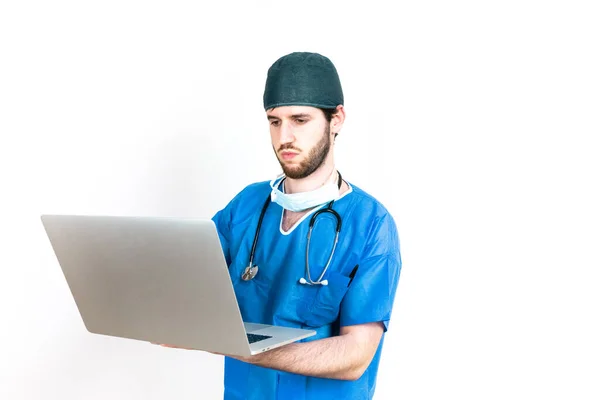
x: 338, y: 357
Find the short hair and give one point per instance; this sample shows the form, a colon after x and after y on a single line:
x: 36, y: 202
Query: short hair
x: 329, y: 113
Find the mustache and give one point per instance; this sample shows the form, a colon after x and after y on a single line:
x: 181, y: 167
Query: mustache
x: 288, y: 146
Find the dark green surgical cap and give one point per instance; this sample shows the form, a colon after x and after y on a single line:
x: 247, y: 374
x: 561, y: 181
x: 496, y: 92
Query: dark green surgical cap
x: 303, y: 79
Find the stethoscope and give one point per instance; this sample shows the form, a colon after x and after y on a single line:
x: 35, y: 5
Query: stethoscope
x: 251, y: 270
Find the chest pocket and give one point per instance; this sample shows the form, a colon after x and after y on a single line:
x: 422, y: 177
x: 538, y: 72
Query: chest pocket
x: 319, y: 304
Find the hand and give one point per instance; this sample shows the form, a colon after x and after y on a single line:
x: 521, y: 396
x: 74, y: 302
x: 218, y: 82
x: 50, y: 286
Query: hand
x: 171, y: 346
x: 241, y: 358
x: 185, y: 348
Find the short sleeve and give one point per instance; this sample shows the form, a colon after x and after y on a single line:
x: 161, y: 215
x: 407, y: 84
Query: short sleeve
x: 370, y: 297
x: 222, y: 220
x: 243, y: 206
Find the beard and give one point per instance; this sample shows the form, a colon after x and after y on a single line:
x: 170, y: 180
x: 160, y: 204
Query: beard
x: 316, y: 158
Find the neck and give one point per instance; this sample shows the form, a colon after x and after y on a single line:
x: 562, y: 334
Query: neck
x: 326, y: 173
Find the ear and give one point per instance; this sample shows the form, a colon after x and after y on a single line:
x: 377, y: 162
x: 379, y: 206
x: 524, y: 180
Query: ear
x: 337, y: 120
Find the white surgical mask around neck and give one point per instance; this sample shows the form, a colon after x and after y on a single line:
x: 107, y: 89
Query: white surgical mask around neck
x: 303, y: 200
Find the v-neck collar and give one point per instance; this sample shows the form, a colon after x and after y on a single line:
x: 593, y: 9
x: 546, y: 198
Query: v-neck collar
x: 308, y: 214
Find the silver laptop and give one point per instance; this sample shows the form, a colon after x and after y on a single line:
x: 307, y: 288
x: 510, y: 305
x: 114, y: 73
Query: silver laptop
x: 161, y: 280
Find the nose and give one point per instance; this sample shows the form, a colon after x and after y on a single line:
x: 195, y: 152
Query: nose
x: 286, y: 134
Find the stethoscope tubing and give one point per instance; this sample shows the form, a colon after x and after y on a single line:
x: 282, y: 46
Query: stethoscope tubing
x: 313, y: 219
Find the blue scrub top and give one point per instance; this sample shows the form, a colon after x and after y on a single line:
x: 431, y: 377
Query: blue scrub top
x: 368, y: 238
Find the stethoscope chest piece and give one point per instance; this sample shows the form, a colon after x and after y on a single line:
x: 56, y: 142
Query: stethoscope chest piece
x: 250, y: 273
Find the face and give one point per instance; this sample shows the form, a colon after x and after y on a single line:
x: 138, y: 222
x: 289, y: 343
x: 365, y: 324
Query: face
x: 301, y: 139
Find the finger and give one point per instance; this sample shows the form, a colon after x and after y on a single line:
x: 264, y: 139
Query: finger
x: 175, y: 347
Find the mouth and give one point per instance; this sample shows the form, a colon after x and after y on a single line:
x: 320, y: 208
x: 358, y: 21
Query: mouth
x: 288, y: 155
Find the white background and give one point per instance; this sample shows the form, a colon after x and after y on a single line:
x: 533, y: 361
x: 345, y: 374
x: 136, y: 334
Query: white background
x: 475, y: 123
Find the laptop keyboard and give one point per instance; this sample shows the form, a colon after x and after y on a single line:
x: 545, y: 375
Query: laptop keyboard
x: 253, y: 338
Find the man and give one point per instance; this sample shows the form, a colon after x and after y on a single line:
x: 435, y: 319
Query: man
x: 346, y: 297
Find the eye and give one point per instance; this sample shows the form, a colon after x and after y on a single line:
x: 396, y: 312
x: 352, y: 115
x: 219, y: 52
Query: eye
x: 300, y: 120
x: 274, y: 122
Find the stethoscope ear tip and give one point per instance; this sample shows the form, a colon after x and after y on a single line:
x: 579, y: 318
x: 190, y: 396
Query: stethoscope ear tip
x: 324, y: 282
